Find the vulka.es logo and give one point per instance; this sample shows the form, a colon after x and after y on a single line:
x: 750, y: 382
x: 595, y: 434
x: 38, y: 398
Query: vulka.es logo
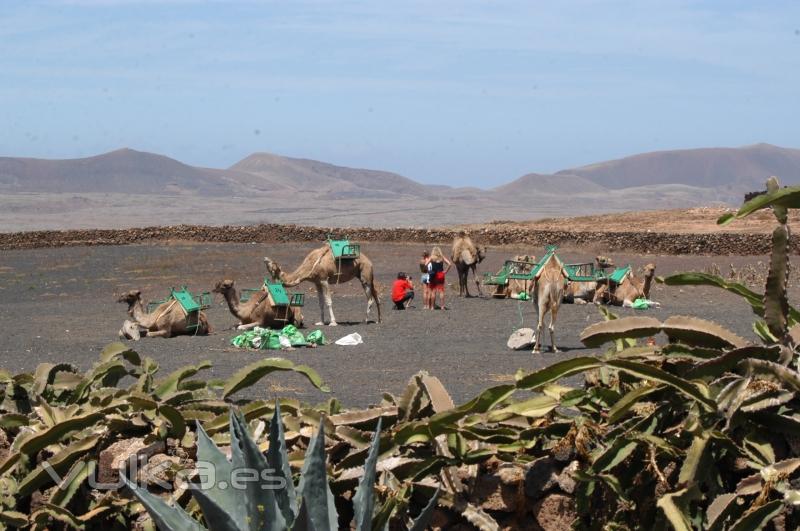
x: 203, y: 476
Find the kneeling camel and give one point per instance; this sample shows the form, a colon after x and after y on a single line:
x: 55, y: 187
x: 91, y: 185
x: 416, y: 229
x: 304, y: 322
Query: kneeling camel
x: 167, y: 320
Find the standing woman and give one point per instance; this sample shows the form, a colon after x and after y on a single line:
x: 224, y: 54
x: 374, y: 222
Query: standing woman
x: 424, y: 280
x: 438, y: 266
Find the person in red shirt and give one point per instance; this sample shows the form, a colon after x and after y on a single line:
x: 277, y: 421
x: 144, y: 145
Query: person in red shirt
x: 402, y: 292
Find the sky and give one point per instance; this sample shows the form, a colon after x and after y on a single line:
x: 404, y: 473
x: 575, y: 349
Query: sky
x: 454, y: 92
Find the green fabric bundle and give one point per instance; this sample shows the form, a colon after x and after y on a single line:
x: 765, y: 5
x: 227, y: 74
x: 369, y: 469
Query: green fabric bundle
x: 267, y: 339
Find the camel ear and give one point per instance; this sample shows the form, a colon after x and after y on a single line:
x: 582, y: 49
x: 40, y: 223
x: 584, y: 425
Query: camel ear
x: 136, y: 293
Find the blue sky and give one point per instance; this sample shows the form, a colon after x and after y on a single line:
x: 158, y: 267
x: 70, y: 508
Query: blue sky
x: 450, y: 92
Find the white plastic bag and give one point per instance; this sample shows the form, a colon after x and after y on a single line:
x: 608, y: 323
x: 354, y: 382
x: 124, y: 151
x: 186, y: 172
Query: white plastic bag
x: 350, y: 339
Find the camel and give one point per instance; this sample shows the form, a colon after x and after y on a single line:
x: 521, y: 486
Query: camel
x: 548, y: 289
x: 168, y: 320
x: 258, y: 310
x: 466, y: 256
x: 630, y: 289
x: 321, y: 268
x: 582, y: 292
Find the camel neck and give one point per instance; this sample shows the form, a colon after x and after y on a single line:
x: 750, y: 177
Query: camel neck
x: 232, y: 298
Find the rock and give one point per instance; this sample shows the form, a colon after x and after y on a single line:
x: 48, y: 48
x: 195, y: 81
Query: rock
x: 501, y: 491
x: 555, y: 512
x: 5, y: 444
x: 159, y: 470
x: 566, y: 479
x: 522, y: 339
x: 541, y: 476
x: 115, y: 457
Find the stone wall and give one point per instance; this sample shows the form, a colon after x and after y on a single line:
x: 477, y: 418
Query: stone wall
x: 639, y: 242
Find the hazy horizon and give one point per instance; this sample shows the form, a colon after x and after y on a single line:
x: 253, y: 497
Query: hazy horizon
x: 456, y: 93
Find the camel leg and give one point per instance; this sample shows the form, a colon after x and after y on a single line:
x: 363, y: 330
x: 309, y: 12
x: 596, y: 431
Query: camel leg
x: 539, y: 328
x: 321, y: 297
x: 159, y: 333
x: 477, y: 282
x: 463, y: 288
x: 326, y: 290
x: 552, y: 327
x: 247, y: 326
x: 370, y: 300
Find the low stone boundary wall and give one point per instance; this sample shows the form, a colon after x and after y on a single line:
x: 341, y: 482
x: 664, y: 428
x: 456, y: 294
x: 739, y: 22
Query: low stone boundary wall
x: 639, y: 242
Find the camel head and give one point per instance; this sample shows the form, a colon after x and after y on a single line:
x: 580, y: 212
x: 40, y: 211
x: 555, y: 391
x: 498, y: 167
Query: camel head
x: 649, y: 270
x: 223, y: 286
x: 273, y: 269
x: 131, y: 297
x: 481, y: 252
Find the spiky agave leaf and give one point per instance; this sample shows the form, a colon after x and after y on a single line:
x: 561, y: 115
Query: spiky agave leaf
x: 364, y: 499
x: 788, y: 197
x: 278, y: 458
x: 167, y: 517
x: 252, y: 373
x: 314, y: 486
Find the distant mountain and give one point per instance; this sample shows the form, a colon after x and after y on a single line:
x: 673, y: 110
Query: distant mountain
x: 542, y: 184
x: 123, y: 170
x: 330, y: 180
x: 727, y: 169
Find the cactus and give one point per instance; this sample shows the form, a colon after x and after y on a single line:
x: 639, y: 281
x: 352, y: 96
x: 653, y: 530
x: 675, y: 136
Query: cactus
x: 273, y: 509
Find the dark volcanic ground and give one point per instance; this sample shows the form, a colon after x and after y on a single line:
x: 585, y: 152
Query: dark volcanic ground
x: 58, y: 305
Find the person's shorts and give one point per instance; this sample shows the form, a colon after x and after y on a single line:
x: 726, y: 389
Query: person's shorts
x: 425, y: 278
x: 437, y: 281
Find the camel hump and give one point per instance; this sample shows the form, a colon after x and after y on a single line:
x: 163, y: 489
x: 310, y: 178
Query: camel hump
x: 467, y: 257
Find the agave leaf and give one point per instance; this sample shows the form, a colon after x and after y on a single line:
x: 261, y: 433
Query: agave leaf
x: 421, y: 522
x: 408, y: 405
x: 278, y: 458
x: 60, y: 463
x: 535, y: 407
x: 728, y: 361
x: 649, y: 372
x: 557, y: 371
x: 755, y: 300
x: 722, y: 509
x: 303, y: 521
x: 60, y: 514
x: 363, y: 417
x: 170, y: 517
x: 775, y: 422
x: 626, y: 328
x: 766, y: 400
x: 252, y: 373
x: 258, y: 497
x: 624, y: 404
x: 364, y: 499
x: 694, y: 457
x: 472, y: 513
x: 173, y: 381
x: 614, y: 454
x: 45, y: 375
x: 216, y: 469
x: 776, y: 304
x: 13, y: 421
x: 438, y: 395
x: 700, y: 332
x: 314, y: 486
x: 65, y: 490
x: 117, y: 350
x: 758, y: 518
x: 55, y: 433
x: 13, y: 518
x: 731, y: 396
x: 753, y: 484
x: 788, y: 197
x: 676, y: 507
x: 783, y: 374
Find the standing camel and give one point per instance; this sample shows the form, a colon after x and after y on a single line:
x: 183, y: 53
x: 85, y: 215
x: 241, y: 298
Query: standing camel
x: 258, y: 310
x: 321, y: 268
x: 548, y: 289
x: 630, y: 289
x: 466, y: 256
x: 168, y: 320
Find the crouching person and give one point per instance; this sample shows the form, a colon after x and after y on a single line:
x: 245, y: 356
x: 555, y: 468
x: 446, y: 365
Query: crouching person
x: 402, y: 292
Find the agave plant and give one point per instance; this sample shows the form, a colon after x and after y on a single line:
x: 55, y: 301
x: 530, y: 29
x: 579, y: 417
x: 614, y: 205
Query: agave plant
x: 270, y: 501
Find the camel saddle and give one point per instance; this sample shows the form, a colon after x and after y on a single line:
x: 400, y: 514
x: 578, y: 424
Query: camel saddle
x: 344, y: 250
